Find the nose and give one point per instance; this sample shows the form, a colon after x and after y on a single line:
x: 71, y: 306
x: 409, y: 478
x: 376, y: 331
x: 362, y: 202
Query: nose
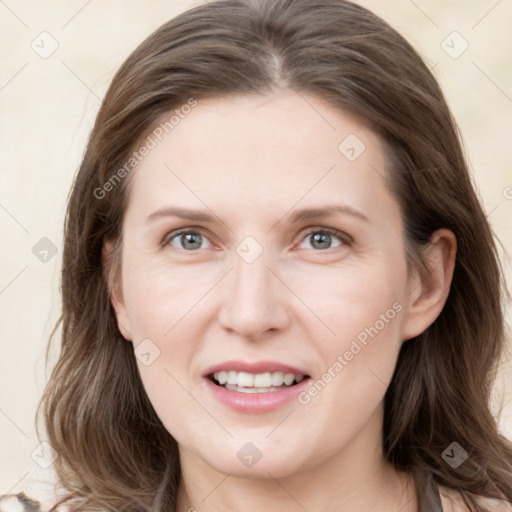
x: 254, y: 300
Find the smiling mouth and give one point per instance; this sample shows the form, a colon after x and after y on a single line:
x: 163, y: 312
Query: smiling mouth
x: 245, y: 382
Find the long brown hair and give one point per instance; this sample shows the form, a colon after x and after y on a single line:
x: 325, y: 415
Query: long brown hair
x: 114, y: 452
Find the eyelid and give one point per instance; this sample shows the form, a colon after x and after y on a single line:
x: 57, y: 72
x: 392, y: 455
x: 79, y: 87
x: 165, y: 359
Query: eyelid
x: 180, y: 231
x: 344, y: 237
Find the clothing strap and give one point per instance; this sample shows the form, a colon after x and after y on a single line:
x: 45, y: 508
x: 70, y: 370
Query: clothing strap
x: 429, y: 499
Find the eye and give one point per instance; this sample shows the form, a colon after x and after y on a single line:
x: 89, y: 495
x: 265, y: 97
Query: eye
x: 322, y: 239
x: 186, y: 240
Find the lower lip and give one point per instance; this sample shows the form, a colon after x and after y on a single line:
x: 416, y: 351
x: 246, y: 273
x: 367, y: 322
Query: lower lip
x: 255, y: 402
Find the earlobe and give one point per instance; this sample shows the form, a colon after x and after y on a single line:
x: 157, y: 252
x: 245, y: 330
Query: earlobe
x: 427, y: 294
x: 113, y: 279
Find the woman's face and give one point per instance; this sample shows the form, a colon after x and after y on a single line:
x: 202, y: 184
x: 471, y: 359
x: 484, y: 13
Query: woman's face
x: 292, y: 262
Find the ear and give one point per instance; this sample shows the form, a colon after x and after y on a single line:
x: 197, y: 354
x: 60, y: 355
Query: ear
x: 428, y: 293
x: 111, y: 264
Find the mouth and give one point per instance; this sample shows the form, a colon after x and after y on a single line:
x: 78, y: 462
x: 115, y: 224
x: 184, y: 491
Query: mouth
x: 245, y: 382
x: 255, y: 387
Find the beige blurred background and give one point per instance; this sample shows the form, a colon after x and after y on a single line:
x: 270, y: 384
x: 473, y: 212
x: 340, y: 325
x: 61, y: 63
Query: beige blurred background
x: 48, y: 102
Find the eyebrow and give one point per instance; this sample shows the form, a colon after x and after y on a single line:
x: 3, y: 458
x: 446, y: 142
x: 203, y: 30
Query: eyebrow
x: 298, y: 216
x: 327, y: 211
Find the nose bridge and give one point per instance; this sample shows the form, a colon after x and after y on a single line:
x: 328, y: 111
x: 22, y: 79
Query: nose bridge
x: 252, y: 304
x: 251, y: 279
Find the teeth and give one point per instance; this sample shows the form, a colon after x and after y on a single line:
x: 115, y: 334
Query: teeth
x: 289, y: 378
x: 277, y: 378
x: 245, y: 380
x: 256, y: 381
x: 251, y: 390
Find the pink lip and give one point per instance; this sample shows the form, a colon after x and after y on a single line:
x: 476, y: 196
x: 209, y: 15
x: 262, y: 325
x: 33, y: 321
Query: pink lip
x: 255, y: 402
x: 255, y: 367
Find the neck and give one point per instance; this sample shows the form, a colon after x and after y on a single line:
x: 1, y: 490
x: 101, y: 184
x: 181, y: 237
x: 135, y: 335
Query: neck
x: 354, y: 478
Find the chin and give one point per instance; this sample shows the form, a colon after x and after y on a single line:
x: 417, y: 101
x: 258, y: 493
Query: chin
x: 247, y: 461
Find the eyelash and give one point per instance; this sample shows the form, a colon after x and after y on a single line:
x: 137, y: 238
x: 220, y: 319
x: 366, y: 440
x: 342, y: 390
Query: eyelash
x: 343, y: 237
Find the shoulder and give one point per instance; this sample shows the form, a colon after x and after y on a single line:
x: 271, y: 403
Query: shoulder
x: 452, y: 501
x: 19, y: 503
x: 22, y: 502
x: 38, y: 495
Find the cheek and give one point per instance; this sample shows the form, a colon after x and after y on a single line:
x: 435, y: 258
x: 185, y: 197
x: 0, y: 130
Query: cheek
x: 364, y: 310
x: 160, y: 296
x: 349, y: 317
x: 171, y: 396
x: 165, y: 306
x: 334, y: 306
x: 349, y: 301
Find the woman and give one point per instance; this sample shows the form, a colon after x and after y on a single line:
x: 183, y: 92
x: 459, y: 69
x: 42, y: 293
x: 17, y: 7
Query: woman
x: 280, y: 290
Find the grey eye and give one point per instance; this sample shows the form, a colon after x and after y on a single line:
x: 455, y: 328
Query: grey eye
x: 322, y: 240
x: 188, y: 240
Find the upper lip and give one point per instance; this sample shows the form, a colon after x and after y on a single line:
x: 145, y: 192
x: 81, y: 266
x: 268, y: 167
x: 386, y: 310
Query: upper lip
x: 254, y: 367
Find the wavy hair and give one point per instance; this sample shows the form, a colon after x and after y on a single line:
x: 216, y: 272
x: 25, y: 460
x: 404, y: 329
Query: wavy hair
x: 114, y: 452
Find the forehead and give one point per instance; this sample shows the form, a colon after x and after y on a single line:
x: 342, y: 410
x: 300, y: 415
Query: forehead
x: 261, y: 152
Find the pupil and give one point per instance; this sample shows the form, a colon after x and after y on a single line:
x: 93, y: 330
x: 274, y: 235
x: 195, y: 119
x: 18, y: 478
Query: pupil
x: 192, y: 237
x: 324, y: 238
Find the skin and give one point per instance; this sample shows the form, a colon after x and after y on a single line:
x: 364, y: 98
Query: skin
x: 253, y: 161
